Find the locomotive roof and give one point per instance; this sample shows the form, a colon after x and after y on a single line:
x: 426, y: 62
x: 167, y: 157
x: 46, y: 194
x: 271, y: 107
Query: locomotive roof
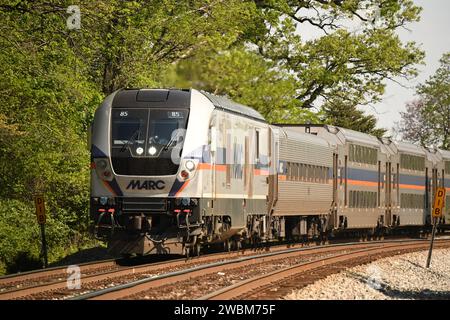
x: 224, y: 103
x: 159, y: 98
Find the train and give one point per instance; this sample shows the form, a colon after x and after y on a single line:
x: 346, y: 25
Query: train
x: 174, y: 170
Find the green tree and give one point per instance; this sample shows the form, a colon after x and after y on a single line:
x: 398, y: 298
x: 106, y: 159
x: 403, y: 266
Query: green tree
x: 248, y: 79
x: 347, y: 116
x: 53, y: 78
x: 357, y: 52
x: 427, y: 119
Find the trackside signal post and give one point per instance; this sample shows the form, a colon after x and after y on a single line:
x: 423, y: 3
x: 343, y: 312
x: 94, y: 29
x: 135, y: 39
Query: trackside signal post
x: 41, y: 219
x: 438, y: 205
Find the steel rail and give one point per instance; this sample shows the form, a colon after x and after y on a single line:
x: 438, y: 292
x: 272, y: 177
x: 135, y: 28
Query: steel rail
x: 254, y: 283
x: 133, y: 287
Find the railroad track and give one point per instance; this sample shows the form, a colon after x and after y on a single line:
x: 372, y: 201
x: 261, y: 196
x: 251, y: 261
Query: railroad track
x: 276, y: 284
x: 19, y: 281
x: 249, y: 272
x: 52, y: 283
x: 107, y: 280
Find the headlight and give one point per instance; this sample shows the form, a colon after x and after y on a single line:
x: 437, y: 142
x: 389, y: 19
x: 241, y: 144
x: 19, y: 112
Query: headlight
x: 103, y: 169
x: 152, y: 150
x: 190, y: 165
x: 103, y: 201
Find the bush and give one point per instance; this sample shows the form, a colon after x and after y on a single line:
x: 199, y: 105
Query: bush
x: 20, y: 237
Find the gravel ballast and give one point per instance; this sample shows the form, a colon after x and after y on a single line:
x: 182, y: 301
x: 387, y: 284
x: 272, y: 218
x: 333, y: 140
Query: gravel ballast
x: 399, y: 277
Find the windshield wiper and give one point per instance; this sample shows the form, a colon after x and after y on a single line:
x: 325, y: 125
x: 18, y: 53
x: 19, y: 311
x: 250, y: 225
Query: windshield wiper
x: 170, y: 141
x: 131, y: 140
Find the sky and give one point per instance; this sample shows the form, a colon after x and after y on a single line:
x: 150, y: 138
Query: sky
x: 432, y: 33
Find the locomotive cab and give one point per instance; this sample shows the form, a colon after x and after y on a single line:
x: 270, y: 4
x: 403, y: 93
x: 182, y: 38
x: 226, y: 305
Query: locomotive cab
x: 139, y: 170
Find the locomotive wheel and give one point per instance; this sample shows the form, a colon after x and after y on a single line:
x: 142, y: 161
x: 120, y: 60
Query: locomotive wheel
x: 237, y: 245
x: 197, y: 247
x: 227, y: 245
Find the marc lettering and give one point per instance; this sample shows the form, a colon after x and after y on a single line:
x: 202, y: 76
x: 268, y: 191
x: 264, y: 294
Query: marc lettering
x: 146, y: 184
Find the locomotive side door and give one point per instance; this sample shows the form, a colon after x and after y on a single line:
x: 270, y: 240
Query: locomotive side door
x: 214, y: 136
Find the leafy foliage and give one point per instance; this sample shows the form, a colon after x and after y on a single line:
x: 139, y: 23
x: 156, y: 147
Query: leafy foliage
x: 346, y: 116
x: 52, y: 78
x: 427, y: 119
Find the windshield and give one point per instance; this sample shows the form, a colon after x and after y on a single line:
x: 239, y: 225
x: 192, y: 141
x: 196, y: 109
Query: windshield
x: 140, y: 135
x: 128, y: 127
x: 163, y: 126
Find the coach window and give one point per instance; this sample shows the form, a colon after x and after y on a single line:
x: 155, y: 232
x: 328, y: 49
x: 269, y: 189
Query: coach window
x: 346, y: 181
x: 362, y: 197
x: 352, y: 198
x: 324, y: 174
x: 289, y: 170
x: 393, y: 179
x: 365, y: 155
x: 295, y: 171
x: 257, y: 145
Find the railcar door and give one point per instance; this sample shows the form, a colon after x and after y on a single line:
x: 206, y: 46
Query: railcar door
x: 273, y: 170
x: 335, y: 188
x: 388, y: 192
x: 435, y: 183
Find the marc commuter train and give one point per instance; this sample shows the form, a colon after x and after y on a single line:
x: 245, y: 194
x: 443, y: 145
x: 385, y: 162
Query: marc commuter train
x: 174, y: 170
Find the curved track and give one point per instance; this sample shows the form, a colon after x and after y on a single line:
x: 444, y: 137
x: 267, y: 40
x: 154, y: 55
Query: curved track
x: 109, y: 280
x: 52, y: 283
x: 278, y: 283
x: 188, y: 283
